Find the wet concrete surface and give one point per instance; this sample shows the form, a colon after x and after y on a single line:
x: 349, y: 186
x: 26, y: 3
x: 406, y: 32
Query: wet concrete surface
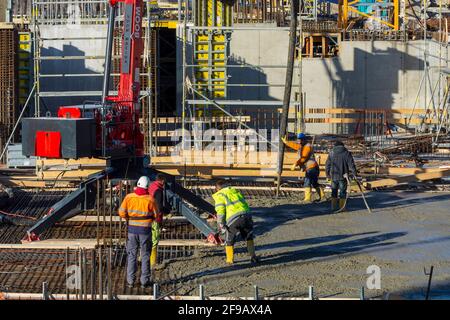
x: 303, y: 245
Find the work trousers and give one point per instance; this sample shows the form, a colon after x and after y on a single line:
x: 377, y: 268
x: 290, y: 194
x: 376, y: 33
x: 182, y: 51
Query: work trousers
x: 242, y: 225
x: 339, y: 186
x: 136, y: 241
x: 312, y: 178
x: 156, y: 233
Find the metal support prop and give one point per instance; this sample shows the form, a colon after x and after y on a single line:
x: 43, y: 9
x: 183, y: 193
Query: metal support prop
x: 45, y: 295
x: 155, y: 291
x: 256, y: 292
x: 108, y: 54
x: 311, y: 293
x: 201, y: 290
x: 107, y: 73
x: 109, y: 273
x: 430, y: 276
x: 287, y: 89
x: 76, y: 202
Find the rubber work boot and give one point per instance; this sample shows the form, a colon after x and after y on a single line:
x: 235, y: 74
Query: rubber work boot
x: 229, y: 251
x: 334, y: 204
x: 307, y: 195
x: 153, y: 257
x: 251, y: 251
x: 320, y: 193
x: 342, y: 204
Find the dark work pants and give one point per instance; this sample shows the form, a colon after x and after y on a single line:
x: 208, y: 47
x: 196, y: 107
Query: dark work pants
x: 242, y: 225
x: 341, y: 186
x: 312, y: 178
x: 136, y: 241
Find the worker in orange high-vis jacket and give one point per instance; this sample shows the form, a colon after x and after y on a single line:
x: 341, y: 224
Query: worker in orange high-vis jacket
x: 138, y: 209
x: 307, y: 163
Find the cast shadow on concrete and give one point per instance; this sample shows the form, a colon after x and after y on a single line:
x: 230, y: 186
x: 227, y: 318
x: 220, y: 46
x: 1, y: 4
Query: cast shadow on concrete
x: 387, y: 200
x: 330, y: 251
x: 354, y: 87
x: 306, y: 242
x: 270, y: 218
x: 438, y: 291
x: 66, y: 83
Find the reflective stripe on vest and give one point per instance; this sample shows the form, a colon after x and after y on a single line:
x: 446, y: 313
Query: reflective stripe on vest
x: 232, y: 200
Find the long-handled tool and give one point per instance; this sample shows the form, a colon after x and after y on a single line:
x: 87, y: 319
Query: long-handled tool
x: 362, y: 194
x: 348, y: 192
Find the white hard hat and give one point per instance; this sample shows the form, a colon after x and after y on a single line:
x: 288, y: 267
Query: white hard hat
x: 143, y: 182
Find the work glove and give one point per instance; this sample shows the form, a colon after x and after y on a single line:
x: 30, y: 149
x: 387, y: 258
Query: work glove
x: 159, y: 218
x: 222, y: 228
x: 293, y: 167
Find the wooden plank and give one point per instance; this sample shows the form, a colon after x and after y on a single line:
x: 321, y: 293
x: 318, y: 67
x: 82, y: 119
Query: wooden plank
x: 274, y: 188
x: 241, y: 159
x: 66, y: 174
x: 410, y: 178
x: 92, y: 243
x: 71, y: 162
x: 25, y: 182
x: 209, y: 172
x: 400, y: 171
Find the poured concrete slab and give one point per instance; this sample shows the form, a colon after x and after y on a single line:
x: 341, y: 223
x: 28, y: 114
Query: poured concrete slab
x: 305, y: 245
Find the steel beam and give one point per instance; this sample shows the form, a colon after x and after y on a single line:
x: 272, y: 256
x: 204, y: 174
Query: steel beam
x: 76, y: 202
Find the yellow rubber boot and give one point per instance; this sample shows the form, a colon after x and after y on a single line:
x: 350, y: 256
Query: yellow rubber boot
x: 153, y: 257
x: 229, y: 251
x: 342, y: 204
x: 334, y: 204
x: 307, y: 195
x: 321, y: 193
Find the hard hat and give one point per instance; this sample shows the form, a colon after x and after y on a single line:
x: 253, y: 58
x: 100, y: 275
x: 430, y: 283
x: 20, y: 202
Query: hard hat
x: 143, y: 182
x: 301, y: 135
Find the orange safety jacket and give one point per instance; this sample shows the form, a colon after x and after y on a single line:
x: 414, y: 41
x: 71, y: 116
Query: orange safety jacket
x: 306, y: 155
x: 139, y: 211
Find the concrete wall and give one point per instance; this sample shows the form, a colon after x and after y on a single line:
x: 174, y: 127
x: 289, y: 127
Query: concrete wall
x: 72, y: 47
x: 366, y: 74
x: 379, y: 74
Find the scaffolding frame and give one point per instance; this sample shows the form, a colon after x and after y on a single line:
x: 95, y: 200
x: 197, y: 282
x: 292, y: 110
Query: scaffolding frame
x: 87, y: 13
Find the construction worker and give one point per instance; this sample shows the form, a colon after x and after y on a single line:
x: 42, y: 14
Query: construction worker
x: 138, y: 209
x: 339, y: 165
x: 307, y: 163
x: 233, y: 217
x: 156, y: 190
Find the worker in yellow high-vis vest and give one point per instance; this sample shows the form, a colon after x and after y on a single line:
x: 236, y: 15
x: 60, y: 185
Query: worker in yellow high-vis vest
x: 233, y: 217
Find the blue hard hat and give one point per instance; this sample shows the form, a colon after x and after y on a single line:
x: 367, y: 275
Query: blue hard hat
x: 301, y: 135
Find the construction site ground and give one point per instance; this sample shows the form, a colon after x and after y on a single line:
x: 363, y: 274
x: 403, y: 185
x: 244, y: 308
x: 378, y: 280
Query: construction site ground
x: 302, y: 245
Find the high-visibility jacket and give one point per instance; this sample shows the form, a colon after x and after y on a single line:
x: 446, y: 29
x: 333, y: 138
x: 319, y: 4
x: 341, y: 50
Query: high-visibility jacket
x: 306, y: 155
x: 139, y: 211
x: 229, y: 204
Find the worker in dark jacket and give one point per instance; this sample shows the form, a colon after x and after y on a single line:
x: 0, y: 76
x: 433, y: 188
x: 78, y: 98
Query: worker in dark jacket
x: 156, y: 190
x: 339, y: 165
